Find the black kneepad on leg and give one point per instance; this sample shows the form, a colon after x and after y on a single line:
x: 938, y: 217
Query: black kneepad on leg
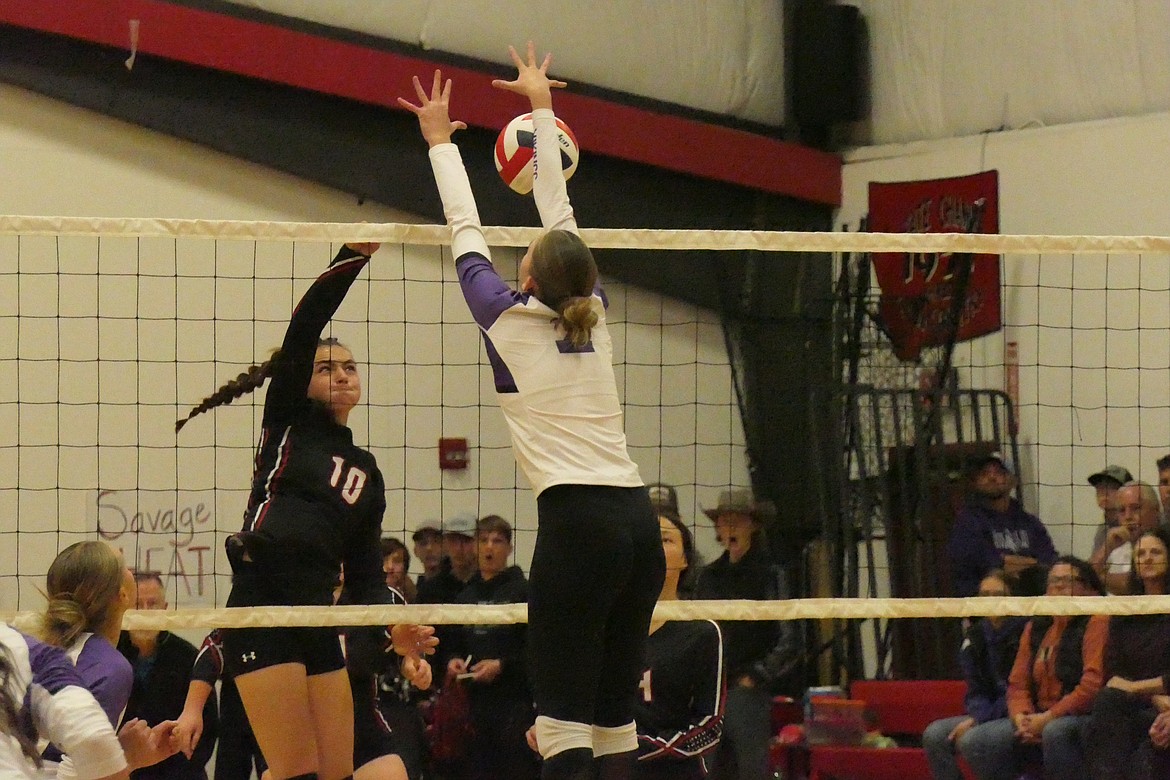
x: 574, y: 764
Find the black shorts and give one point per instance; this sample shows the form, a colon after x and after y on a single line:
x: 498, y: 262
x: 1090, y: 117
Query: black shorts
x: 249, y: 649
x: 595, y: 576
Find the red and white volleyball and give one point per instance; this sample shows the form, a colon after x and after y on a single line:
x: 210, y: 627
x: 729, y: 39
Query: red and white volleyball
x: 515, y: 147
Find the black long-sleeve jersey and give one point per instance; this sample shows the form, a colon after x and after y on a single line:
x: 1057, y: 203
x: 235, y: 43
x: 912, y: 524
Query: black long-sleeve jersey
x: 317, y: 499
x: 679, y: 709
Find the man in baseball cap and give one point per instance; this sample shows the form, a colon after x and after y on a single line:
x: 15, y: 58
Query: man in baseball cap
x: 459, y: 561
x: 428, y: 548
x: 1106, y: 483
x: 993, y: 531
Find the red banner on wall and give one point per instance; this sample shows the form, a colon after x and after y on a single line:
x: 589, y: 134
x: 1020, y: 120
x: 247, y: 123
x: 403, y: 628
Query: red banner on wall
x: 918, y: 289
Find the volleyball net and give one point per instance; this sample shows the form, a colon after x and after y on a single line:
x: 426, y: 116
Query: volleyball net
x: 110, y: 330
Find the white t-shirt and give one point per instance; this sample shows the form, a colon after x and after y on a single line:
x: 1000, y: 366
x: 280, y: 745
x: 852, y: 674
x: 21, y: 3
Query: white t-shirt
x: 1120, y: 561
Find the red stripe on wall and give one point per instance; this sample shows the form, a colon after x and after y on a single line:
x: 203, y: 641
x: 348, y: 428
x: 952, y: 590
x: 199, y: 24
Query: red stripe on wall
x: 349, y: 70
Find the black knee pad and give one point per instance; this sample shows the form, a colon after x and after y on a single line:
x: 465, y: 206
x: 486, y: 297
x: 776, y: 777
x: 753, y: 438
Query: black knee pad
x: 307, y: 776
x: 573, y: 764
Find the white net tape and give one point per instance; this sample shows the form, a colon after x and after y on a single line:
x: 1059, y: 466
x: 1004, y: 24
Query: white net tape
x: 791, y: 609
x: 432, y: 235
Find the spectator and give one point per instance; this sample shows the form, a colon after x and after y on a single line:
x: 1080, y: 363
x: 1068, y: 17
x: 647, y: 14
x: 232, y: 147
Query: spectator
x: 368, y: 655
x: 428, y: 548
x: 680, y: 710
x: 494, y: 656
x: 757, y: 654
x: 395, y: 565
x: 663, y: 497
x: 1137, y: 667
x: 1163, y: 464
x: 986, y: 657
x: 1106, y: 483
x: 1056, y: 674
x: 459, y: 562
x: 162, y: 670
x: 993, y: 531
x: 1139, y: 511
x: 237, y: 752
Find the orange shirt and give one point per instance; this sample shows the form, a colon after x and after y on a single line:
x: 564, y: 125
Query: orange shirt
x: 1042, y: 669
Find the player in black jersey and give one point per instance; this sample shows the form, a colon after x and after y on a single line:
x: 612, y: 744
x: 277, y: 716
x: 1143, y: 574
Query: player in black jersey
x: 317, y: 501
x: 679, y: 711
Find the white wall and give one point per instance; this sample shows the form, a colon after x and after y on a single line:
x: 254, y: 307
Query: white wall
x: 1099, y: 393
x: 167, y: 334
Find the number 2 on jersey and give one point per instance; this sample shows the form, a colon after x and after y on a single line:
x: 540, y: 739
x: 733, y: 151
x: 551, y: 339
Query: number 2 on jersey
x: 355, y: 480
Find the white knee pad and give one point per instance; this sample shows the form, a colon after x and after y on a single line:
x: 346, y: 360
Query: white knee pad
x: 556, y: 736
x: 608, y: 740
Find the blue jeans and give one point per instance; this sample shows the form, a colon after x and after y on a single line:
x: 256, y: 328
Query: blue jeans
x: 994, y: 753
x: 747, y: 726
x: 940, y: 751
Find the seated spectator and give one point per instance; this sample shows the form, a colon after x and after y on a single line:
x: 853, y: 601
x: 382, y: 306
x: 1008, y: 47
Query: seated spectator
x: 395, y: 565
x: 992, y: 531
x: 1137, y: 667
x: 986, y: 656
x: 1106, y: 483
x: 162, y: 670
x: 428, y: 548
x: 1138, y: 512
x: 1056, y: 674
x: 679, y: 713
x: 237, y: 753
x: 493, y: 658
x: 757, y: 654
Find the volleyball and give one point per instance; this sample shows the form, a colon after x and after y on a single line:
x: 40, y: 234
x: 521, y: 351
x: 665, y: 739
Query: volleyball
x: 515, y: 148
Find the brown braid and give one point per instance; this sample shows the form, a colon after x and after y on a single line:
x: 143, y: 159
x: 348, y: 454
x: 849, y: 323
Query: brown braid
x: 9, y: 709
x: 243, y: 384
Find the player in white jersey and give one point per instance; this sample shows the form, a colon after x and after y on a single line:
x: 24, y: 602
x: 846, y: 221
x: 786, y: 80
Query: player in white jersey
x: 597, y: 567
x: 42, y: 696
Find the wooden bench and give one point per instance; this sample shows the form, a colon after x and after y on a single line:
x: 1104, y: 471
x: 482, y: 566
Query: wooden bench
x: 903, y: 709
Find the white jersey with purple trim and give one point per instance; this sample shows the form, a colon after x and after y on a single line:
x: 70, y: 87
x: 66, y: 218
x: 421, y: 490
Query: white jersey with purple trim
x: 560, y: 402
x: 55, y: 705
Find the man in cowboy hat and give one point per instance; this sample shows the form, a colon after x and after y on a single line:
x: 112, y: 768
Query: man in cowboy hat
x: 757, y: 654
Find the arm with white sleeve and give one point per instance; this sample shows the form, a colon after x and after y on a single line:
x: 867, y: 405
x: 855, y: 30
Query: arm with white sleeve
x: 548, y: 186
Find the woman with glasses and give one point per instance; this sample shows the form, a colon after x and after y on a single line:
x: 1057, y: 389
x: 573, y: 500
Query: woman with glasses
x: 1056, y: 674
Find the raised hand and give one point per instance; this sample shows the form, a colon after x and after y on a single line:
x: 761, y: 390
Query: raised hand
x: 531, y: 80
x: 413, y: 641
x: 367, y: 248
x: 433, y: 111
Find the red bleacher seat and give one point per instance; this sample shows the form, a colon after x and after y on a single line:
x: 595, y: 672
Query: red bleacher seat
x: 903, y: 708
